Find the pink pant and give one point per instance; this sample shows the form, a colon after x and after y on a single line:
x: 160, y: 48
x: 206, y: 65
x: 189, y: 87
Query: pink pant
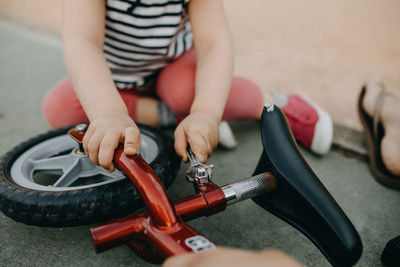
x: 175, y: 87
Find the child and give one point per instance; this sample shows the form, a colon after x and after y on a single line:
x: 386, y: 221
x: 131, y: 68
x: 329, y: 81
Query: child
x: 144, y: 49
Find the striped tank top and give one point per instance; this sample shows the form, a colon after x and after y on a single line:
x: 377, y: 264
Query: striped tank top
x: 142, y: 36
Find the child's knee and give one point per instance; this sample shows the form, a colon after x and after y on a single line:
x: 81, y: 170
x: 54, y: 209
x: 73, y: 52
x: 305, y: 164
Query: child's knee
x: 52, y: 109
x: 242, y: 85
x: 176, y: 83
x: 246, y: 91
x: 177, y: 90
x: 61, y: 107
x: 245, y: 100
x: 179, y: 101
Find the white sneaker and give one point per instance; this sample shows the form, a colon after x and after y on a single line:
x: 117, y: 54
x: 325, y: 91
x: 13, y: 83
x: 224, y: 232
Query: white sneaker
x: 226, y: 137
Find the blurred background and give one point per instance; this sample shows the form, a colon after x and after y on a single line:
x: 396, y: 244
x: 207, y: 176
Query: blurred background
x: 325, y: 49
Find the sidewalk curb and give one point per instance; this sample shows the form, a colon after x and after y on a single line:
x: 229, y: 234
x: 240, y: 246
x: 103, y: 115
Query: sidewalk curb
x: 350, y: 142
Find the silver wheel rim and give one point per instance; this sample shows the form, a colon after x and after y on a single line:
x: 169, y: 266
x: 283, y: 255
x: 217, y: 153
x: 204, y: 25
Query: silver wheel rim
x: 57, y: 165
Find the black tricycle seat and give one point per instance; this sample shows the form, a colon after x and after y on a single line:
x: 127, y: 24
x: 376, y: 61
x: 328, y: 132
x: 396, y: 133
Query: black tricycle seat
x: 300, y: 198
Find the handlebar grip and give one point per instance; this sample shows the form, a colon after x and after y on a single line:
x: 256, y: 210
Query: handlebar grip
x: 249, y: 188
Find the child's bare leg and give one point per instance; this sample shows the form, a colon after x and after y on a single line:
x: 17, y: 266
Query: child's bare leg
x: 390, y: 118
x: 146, y: 111
x: 153, y: 112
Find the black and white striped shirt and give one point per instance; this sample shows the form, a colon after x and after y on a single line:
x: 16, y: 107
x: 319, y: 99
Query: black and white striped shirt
x: 142, y: 36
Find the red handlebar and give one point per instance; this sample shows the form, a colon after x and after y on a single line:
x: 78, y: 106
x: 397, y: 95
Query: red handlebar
x: 148, y: 186
x: 158, y: 231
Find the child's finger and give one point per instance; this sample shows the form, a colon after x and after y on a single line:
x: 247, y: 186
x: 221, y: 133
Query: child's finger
x: 86, y: 138
x: 93, y: 147
x: 180, y: 144
x: 132, y: 141
x: 210, y: 148
x: 139, y: 142
x: 107, y: 147
x: 199, y: 146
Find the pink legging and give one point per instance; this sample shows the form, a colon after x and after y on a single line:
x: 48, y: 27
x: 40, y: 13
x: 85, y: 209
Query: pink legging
x: 175, y: 87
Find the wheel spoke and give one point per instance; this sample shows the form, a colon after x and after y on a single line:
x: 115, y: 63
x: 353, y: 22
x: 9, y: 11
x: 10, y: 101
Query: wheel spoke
x: 69, y: 176
x: 59, y: 162
x: 110, y: 175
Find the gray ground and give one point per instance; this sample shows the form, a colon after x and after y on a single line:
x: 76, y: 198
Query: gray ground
x: 31, y: 62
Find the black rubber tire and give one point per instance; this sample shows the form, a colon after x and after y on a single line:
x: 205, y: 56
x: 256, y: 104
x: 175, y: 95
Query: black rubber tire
x: 84, y: 206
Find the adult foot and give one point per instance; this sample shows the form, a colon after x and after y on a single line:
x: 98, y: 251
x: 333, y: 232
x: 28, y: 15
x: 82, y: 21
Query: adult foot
x: 390, y: 119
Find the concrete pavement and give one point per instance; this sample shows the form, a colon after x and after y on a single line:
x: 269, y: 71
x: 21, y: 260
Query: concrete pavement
x: 31, y: 62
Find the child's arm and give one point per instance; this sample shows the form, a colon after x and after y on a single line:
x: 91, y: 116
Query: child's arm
x: 83, y: 38
x: 213, y: 46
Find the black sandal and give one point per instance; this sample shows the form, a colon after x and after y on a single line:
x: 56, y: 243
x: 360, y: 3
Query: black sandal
x: 391, y: 254
x: 374, y: 133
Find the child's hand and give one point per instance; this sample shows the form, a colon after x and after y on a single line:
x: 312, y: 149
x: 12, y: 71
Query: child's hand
x: 105, y: 133
x: 200, y: 130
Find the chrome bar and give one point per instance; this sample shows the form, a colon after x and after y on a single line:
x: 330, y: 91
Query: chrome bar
x: 249, y: 188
